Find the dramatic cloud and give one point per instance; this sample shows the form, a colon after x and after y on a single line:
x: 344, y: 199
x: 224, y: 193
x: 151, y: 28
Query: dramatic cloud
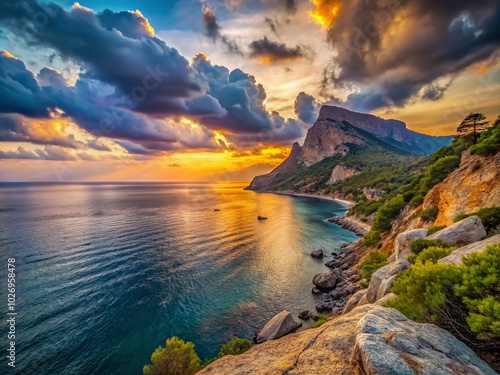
x: 306, y: 108
x: 132, y: 87
x: 268, y: 51
x: 212, y: 30
x: 399, y: 50
x: 47, y: 153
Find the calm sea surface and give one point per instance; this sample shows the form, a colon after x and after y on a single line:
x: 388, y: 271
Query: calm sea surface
x: 106, y: 272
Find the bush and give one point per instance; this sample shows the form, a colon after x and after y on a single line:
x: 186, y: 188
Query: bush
x: 323, y: 318
x: 432, y: 253
x: 234, y: 347
x: 429, y: 213
x: 373, y: 262
x: 372, y: 238
x: 424, y: 289
x: 176, y: 358
x: 489, y: 141
x: 421, y: 244
x: 417, y: 200
x: 490, y: 216
x: 386, y: 213
x: 443, y: 167
x: 435, y: 229
x: 480, y: 290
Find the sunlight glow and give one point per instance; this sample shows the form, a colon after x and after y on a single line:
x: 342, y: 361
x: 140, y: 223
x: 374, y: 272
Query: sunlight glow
x: 324, y: 12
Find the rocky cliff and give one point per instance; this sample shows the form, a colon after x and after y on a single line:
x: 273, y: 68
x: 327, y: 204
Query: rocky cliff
x: 370, y: 339
x: 339, y: 132
x: 478, y: 182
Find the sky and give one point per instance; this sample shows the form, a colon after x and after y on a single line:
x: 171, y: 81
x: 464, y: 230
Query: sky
x: 210, y: 90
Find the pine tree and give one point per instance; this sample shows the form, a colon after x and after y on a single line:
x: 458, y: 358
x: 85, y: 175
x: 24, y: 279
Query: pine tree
x: 473, y: 123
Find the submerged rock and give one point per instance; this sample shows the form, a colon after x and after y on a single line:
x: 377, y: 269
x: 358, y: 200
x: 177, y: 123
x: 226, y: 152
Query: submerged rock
x: 278, y: 326
x: 325, y: 280
x: 317, y: 254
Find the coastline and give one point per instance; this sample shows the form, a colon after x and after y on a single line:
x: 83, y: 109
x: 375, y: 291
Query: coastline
x: 346, y: 202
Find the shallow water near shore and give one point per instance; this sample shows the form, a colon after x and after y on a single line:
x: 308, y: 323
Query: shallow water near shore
x: 106, y: 272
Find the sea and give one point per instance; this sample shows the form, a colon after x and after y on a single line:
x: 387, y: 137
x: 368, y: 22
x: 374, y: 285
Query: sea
x: 106, y: 272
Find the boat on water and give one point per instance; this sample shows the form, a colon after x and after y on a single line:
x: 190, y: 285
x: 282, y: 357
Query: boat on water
x: 261, y: 218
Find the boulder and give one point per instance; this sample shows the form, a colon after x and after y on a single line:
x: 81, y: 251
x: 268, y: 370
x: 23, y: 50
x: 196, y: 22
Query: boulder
x: 354, y: 300
x: 325, y: 280
x: 388, y: 343
x: 464, y: 232
x: 403, y: 241
x: 380, y: 340
x: 308, y: 314
x: 475, y: 247
x: 317, y: 254
x: 277, y: 327
x: 385, y: 286
x: 363, y: 300
x: 380, y: 275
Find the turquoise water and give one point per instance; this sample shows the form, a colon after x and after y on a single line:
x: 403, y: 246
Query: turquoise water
x: 107, y: 272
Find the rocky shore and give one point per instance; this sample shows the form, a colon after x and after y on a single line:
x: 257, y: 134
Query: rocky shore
x: 351, y: 224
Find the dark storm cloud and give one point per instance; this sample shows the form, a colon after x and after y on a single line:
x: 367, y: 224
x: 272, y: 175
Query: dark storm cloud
x: 271, y: 51
x: 433, y: 41
x: 213, y: 31
x: 306, y: 108
x: 119, y: 59
x: 19, y: 90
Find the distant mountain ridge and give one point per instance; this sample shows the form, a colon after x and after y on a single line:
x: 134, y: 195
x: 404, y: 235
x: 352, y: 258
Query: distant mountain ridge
x: 338, y: 133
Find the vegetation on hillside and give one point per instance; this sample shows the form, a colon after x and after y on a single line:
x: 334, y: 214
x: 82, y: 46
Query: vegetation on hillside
x: 180, y: 358
x: 490, y: 216
x: 371, y: 263
x: 464, y: 299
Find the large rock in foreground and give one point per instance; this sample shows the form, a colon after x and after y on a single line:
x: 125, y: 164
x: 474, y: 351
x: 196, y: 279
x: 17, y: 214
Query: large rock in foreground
x: 476, y: 247
x: 464, y: 232
x: 380, y: 340
x: 277, y: 327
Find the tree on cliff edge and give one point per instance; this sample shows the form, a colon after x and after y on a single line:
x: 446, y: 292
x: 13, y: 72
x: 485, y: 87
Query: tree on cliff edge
x: 473, y: 123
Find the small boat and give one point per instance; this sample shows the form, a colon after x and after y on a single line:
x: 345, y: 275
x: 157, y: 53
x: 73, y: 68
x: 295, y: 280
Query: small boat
x: 216, y: 209
x: 261, y: 218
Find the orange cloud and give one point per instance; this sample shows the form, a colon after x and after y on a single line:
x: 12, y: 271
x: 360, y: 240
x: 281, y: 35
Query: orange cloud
x: 325, y: 12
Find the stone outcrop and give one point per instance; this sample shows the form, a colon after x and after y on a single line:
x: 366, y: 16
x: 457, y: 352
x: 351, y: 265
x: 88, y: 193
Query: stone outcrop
x: 382, y: 279
x: 464, y: 232
x: 350, y: 224
x: 340, y: 173
x: 478, y: 181
x: 354, y: 300
x: 369, y: 340
x: 277, y: 327
x: 404, y: 239
x: 476, y: 247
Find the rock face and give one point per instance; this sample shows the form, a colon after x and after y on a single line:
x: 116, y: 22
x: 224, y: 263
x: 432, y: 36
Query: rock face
x: 338, y: 129
x: 340, y: 173
x: 282, y: 171
x: 354, y: 300
x: 478, y: 181
x: 277, y: 327
x: 462, y: 233
x: 382, y: 279
x: 380, y: 340
x: 476, y: 247
x: 325, y: 280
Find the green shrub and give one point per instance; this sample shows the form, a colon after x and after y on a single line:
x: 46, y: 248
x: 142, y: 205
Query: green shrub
x: 489, y: 141
x: 323, y: 318
x: 424, y: 289
x: 429, y: 213
x: 176, y: 358
x: 386, y: 213
x: 443, y: 167
x: 421, y: 244
x: 480, y: 290
x: 373, y: 262
x: 364, y: 284
x: 490, y: 216
x: 435, y: 229
x: 417, y: 200
x: 234, y: 347
x: 432, y: 253
x: 372, y: 238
